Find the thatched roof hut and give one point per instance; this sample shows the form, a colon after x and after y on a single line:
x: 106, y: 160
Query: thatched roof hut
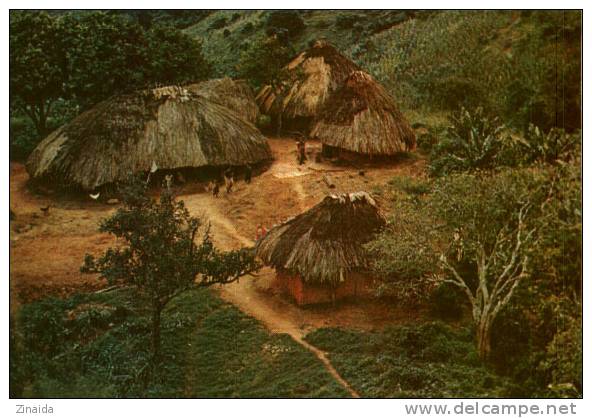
x: 234, y: 94
x: 170, y: 126
x: 324, y: 244
x: 362, y: 117
x: 310, y: 80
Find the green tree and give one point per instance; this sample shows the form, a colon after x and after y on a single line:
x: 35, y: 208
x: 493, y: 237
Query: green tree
x: 492, y: 224
x: 164, y: 252
x: 174, y: 57
x: 475, y: 231
x: 264, y: 61
x: 36, y: 65
x: 106, y: 54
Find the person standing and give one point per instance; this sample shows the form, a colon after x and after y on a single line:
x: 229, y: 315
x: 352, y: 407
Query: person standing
x: 229, y: 179
x: 248, y: 173
x: 301, y: 147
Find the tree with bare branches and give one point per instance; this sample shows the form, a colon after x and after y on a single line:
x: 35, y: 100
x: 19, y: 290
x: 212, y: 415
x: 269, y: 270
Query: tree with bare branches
x: 493, y: 225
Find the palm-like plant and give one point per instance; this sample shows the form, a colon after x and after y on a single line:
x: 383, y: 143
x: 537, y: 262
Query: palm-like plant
x: 473, y: 141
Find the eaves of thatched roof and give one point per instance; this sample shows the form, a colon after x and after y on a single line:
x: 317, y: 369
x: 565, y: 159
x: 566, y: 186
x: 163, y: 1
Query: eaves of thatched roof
x: 325, y: 243
x: 170, y: 126
x: 362, y: 117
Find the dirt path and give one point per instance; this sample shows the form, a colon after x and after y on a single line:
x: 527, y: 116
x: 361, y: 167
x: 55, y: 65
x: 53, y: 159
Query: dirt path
x: 244, y: 295
x: 46, y: 251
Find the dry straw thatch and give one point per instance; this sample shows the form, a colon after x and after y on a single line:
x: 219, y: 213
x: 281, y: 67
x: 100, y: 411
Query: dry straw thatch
x: 362, y: 117
x: 324, y: 244
x: 234, y: 94
x: 310, y: 79
x: 169, y: 126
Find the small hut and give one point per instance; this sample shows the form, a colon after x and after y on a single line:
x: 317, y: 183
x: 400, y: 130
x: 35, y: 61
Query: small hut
x: 169, y: 127
x: 234, y: 94
x: 361, y: 117
x: 310, y: 80
x: 319, y: 255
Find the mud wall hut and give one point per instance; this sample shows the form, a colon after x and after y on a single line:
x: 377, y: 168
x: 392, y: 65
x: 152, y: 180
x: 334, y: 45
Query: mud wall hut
x: 310, y: 80
x: 319, y: 255
x: 362, y: 117
x: 169, y: 127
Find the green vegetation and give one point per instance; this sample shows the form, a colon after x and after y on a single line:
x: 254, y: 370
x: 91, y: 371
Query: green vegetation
x: 428, y: 360
x: 263, y: 61
x: 510, y: 241
x: 64, y: 63
x: 158, y: 253
x: 97, y: 345
x: 491, y: 235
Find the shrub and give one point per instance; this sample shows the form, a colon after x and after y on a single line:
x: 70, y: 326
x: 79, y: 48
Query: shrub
x: 554, y: 145
x: 248, y: 28
x: 219, y: 23
x: 285, y: 20
x: 345, y: 21
x: 226, y: 33
x: 472, y: 142
x: 23, y: 138
x: 446, y: 301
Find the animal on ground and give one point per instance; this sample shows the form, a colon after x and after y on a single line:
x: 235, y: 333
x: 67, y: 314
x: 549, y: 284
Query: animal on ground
x: 216, y: 189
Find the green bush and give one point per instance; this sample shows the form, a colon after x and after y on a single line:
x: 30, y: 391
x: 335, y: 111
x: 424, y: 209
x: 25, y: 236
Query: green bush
x: 248, y: 28
x: 288, y: 20
x: 427, y: 360
x: 446, y: 301
x: 23, y: 138
x: 546, y: 147
x: 97, y: 345
x: 218, y: 23
x: 472, y: 142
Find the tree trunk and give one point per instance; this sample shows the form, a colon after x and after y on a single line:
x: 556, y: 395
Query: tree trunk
x: 156, y: 314
x: 484, y: 338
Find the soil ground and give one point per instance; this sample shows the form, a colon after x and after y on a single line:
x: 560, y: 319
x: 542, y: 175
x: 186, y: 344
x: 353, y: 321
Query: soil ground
x: 48, y: 248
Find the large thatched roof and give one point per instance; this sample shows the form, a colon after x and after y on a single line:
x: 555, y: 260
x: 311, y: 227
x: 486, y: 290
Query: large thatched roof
x: 311, y: 78
x: 234, y: 94
x: 324, y: 243
x: 362, y: 117
x: 169, y: 126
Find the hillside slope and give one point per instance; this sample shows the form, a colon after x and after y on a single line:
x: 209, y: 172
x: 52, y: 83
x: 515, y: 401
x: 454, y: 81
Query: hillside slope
x: 512, y: 63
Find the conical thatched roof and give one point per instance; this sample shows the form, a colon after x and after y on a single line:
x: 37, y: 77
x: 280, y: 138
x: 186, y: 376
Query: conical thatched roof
x: 324, y: 243
x: 234, y: 94
x: 362, y: 117
x: 169, y: 126
x: 311, y: 78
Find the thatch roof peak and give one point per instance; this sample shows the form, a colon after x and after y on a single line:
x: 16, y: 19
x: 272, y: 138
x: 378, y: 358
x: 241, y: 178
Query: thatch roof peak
x: 324, y: 243
x: 361, y: 116
x: 312, y: 76
x: 236, y: 95
x: 171, y: 126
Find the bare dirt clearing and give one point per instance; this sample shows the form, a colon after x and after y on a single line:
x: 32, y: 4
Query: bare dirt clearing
x: 46, y: 251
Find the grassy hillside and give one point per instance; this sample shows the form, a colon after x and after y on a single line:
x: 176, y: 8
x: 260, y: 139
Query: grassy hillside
x: 343, y: 28
x: 96, y: 345
x: 511, y: 63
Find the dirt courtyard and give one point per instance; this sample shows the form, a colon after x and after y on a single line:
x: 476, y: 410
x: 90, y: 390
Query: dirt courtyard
x: 48, y: 248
